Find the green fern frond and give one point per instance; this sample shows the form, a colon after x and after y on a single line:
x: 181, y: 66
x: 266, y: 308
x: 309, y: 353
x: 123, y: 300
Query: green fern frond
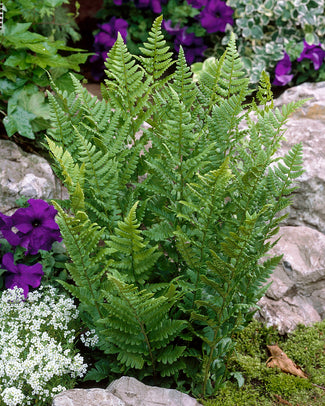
x: 232, y: 75
x: 183, y: 82
x: 126, y: 84
x: 138, y: 339
x: 171, y: 354
x: 157, y: 57
x: 238, y: 244
x: 293, y: 162
x: 81, y: 240
x: 159, y: 231
x: 208, y: 194
x: 209, y: 82
x: 129, y: 159
x: 62, y: 132
x: 133, y: 254
x: 73, y: 175
x: 283, y: 175
x: 88, y: 102
x: 99, y: 168
x: 115, y: 135
x: 223, y: 126
x: 264, y: 94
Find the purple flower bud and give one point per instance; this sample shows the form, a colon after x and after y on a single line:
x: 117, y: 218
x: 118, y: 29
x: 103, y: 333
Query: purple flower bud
x: 282, y: 70
x: 21, y: 275
x: 313, y: 52
x: 215, y: 16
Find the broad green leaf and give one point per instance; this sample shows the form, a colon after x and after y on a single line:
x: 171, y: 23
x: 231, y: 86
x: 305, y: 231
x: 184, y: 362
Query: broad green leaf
x: 11, y: 28
x: 8, y: 87
x: 36, y: 104
x: 19, y: 121
x: 43, y: 48
x: 17, y: 60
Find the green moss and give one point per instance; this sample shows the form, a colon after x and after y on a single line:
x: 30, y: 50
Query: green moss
x: 245, y: 396
x: 255, y: 337
x: 265, y: 386
x: 287, y: 385
x: 306, y: 346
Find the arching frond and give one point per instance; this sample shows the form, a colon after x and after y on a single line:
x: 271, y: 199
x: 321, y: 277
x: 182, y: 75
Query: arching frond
x: 157, y: 57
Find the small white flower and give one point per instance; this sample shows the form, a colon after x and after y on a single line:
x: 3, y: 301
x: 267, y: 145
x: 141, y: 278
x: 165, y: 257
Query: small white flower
x: 12, y: 396
x: 36, y: 345
x: 58, y: 389
x: 89, y: 339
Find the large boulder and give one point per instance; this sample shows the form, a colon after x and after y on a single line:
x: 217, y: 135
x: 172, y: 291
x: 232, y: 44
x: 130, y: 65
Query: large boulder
x: 86, y: 397
x: 307, y: 125
x: 297, y: 293
x: 24, y: 174
x: 135, y: 393
x: 125, y: 391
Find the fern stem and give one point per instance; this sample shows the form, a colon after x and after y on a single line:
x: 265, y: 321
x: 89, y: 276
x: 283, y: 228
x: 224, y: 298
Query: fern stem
x: 133, y: 264
x: 208, y: 364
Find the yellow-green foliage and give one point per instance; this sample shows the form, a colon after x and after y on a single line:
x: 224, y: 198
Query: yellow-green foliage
x: 166, y: 232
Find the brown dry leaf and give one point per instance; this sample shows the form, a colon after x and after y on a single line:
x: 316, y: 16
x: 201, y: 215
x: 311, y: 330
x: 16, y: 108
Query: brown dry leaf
x: 280, y: 360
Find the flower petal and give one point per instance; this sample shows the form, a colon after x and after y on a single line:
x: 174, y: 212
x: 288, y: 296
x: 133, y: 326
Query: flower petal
x: 31, y: 274
x: 13, y: 280
x: 8, y: 263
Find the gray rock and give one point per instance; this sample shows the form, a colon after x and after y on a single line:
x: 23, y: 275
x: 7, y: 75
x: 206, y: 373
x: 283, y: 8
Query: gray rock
x: 86, y: 397
x: 125, y: 391
x: 25, y: 174
x: 297, y: 293
x: 307, y: 126
x: 135, y: 393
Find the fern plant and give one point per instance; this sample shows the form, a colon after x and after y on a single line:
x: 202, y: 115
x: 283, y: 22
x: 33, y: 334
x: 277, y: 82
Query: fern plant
x: 172, y: 206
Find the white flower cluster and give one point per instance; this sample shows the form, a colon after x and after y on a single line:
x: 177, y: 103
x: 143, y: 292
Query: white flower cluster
x: 89, y: 339
x: 12, y: 396
x: 37, y: 349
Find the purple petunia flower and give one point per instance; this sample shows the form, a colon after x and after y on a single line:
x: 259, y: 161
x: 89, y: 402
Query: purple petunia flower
x: 197, y: 3
x: 104, y: 41
x: 21, y: 275
x: 6, y: 225
x: 108, y: 34
x: 313, y: 52
x: 120, y: 2
x: 167, y: 25
x: 215, y: 16
x: 193, y: 46
x: 155, y: 5
x: 36, y: 226
x: 282, y: 70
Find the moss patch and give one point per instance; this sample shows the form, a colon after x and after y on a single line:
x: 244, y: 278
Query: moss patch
x: 270, y: 386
